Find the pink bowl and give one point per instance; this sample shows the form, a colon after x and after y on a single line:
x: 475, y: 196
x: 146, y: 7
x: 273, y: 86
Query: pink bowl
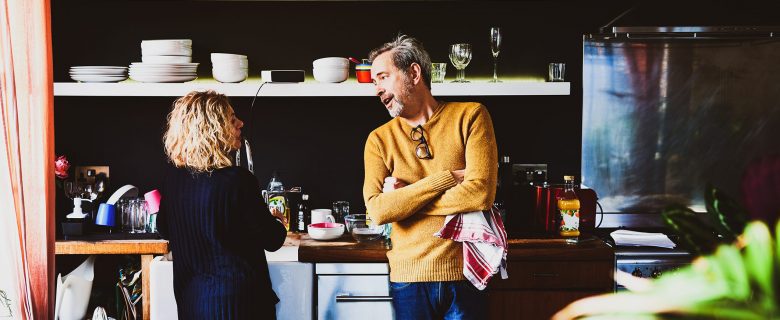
x: 326, y: 230
x: 326, y: 225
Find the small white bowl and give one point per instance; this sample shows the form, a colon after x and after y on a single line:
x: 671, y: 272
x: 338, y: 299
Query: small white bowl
x: 330, y: 75
x: 230, y: 75
x: 227, y: 57
x: 331, y: 62
x: 326, y: 230
x: 230, y: 64
x: 166, y: 59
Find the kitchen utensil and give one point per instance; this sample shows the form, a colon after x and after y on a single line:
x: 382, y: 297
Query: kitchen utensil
x: 556, y: 71
x: 73, y: 291
x: 495, y: 48
x: 153, y: 200
x: 460, y: 56
x: 362, y: 228
x: 321, y: 215
x: 326, y: 230
x: 356, y: 61
x: 106, y: 215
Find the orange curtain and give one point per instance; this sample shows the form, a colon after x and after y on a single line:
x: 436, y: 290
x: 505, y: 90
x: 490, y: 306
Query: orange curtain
x: 26, y: 160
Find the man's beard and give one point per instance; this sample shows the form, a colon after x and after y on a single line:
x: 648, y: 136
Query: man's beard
x: 397, y: 108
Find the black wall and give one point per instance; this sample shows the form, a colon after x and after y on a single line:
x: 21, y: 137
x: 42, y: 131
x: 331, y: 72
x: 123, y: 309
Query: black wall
x: 316, y: 143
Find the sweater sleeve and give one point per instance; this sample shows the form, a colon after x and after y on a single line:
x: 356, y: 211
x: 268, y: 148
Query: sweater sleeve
x: 404, y: 202
x: 253, y: 225
x: 478, y: 189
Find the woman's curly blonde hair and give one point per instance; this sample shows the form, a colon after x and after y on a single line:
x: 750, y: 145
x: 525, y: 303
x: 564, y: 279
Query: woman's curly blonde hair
x: 200, y: 132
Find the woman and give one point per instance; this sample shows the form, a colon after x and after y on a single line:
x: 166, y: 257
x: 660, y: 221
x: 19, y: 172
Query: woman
x: 214, y: 216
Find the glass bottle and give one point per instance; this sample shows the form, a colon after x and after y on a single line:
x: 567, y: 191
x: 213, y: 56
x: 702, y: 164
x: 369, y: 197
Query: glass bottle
x: 569, y: 209
x: 277, y: 198
x: 304, y: 215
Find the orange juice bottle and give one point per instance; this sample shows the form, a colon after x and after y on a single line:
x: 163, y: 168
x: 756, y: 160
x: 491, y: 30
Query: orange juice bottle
x: 569, y: 209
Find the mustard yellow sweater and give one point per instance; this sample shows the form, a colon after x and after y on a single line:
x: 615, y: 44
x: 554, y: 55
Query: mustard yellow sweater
x: 460, y: 136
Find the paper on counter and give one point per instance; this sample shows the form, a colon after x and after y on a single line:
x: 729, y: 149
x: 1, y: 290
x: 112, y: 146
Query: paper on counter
x: 636, y: 238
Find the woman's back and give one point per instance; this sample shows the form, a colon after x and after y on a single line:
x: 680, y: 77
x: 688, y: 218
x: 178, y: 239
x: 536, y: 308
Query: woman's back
x: 218, y: 227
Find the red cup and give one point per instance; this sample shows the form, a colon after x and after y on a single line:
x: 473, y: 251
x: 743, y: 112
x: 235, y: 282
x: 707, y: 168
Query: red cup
x: 363, y: 73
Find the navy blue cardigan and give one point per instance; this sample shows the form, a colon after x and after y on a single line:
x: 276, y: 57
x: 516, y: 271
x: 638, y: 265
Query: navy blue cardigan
x: 218, y: 226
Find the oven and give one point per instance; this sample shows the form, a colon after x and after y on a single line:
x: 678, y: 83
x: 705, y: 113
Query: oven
x: 649, y: 262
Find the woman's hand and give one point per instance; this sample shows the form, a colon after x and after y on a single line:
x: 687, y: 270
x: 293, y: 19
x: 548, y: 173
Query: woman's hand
x: 278, y: 215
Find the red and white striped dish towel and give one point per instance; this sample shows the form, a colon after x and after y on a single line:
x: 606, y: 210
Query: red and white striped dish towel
x: 484, y: 244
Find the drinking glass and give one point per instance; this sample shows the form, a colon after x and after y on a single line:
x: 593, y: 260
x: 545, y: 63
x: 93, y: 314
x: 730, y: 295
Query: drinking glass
x: 438, y: 70
x: 460, y: 56
x: 556, y: 71
x: 495, y: 47
x: 340, y: 210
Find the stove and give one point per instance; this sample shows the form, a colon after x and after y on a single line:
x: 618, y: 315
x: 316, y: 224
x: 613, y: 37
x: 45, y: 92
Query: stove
x: 649, y: 262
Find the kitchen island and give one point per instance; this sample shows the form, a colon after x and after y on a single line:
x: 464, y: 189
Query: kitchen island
x: 545, y: 274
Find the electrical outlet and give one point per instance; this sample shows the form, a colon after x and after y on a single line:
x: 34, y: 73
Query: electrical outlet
x: 524, y: 172
x: 82, y: 171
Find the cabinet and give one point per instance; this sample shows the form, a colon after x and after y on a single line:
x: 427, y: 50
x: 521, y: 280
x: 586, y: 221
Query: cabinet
x: 353, y: 291
x: 544, y: 280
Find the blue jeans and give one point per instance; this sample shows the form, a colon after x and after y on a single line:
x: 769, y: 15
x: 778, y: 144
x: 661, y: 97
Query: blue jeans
x: 438, y: 300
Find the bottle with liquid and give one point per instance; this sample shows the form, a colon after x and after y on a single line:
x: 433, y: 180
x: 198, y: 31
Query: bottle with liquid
x: 277, y: 199
x: 569, y: 209
x: 304, y: 215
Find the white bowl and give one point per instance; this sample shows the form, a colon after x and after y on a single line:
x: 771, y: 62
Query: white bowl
x: 230, y: 64
x: 166, y: 59
x: 330, y: 75
x: 181, y: 42
x: 166, y: 51
x: 336, y: 62
x: 227, y: 57
x: 326, y: 230
x: 230, y: 75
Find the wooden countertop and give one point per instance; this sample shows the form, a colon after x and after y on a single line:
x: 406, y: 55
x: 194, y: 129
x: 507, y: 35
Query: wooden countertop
x: 111, y: 247
x: 345, y: 249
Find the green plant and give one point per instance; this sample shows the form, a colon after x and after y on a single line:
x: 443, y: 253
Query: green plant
x: 727, y: 219
x: 739, y: 281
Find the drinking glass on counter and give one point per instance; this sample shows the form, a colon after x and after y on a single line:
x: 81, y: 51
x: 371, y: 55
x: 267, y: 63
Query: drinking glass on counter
x: 340, y: 210
x: 135, y: 215
x: 495, y: 47
x: 556, y: 71
x: 460, y: 56
x: 438, y: 70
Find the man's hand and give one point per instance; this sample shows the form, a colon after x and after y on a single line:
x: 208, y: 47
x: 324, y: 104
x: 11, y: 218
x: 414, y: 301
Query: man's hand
x: 458, y: 175
x: 392, y: 183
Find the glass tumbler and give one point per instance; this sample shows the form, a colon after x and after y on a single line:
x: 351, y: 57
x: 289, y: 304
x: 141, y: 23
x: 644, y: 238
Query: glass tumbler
x: 340, y: 210
x: 438, y: 70
x: 556, y: 71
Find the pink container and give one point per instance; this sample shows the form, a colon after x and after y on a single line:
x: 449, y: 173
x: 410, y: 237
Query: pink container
x: 153, y: 200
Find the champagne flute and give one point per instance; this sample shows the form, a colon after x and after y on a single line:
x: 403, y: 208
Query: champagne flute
x: 460, y: 56
x: 495, y: 47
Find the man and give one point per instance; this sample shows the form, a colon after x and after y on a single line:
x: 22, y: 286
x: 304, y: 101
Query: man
x: 440, y: 159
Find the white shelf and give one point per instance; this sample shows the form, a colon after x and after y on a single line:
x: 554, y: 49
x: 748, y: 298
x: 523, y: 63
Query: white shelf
x: 306, y: 89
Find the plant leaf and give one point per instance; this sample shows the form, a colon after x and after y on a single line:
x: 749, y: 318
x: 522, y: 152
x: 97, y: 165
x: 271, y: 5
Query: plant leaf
x: 728, y: 216
x: 694, y: 235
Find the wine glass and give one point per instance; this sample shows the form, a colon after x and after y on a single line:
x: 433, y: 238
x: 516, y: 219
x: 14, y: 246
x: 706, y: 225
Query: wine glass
x: 495, y: 47
x: 460, y: 56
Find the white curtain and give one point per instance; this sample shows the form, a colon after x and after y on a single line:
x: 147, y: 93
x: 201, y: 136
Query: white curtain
x: 26, y: 160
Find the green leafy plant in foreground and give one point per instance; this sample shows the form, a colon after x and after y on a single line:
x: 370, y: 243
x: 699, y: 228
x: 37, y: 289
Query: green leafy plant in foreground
x: 738, y: 281
x: 727, y: 218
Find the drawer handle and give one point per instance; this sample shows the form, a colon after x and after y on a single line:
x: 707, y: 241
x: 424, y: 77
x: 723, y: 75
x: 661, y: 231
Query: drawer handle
x: 345, y: 298
x: 544, y: 275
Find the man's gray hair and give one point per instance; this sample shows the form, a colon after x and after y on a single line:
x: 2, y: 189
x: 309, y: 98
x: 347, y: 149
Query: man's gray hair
x: 406, y: 50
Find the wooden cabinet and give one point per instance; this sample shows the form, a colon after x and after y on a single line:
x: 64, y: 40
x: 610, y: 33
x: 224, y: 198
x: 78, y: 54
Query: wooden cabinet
x: 555, y: 275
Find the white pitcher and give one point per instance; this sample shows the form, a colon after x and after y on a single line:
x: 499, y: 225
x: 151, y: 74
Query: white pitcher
x: 73, y: 291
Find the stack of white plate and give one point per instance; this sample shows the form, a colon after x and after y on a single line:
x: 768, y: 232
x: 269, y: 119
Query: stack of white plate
x: 166, y: 51
x: 228, y: 67
x: 98, y: 73
x: 165, y: 61
x: 163, y: 72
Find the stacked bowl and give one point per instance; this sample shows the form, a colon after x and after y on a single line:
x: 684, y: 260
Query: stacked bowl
x: 166, y: 51
x: 165, y: 61
x: 98, y: 73
x: 331, y: 69
x: 228, y: 67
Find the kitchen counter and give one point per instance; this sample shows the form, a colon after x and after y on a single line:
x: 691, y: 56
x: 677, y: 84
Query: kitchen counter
x: 346, y: 249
